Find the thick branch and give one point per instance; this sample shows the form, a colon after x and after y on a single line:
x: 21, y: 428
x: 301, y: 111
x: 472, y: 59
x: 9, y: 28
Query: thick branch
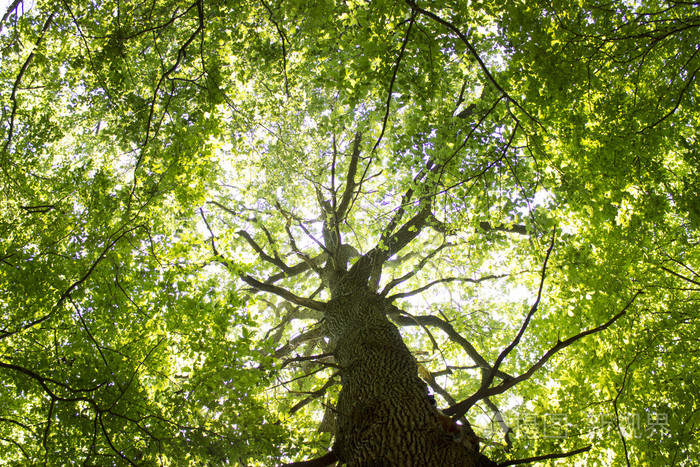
x: 284, y: 293
x: 350, y: 184
x: 294, y: 342
x: 319, y: 358
x: 313, y: 395
x: 501, y: 423
x: 287, y: 271
x: 378, y: 255
x: 299, y: 268
x: 322, y: 461
x: 258, y: 249
x: 451, y: 332
x: 335, y: 213
x: 441, y: 227
x: 437, y: 389
x: 263, y: 287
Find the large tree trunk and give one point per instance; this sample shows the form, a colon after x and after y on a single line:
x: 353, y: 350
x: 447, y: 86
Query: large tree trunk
x: 384, y: 417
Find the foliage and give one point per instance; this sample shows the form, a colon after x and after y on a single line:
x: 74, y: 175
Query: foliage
x: 153, y: 154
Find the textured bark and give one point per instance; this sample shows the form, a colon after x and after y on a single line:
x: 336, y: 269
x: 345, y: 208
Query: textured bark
x: 384, y: 417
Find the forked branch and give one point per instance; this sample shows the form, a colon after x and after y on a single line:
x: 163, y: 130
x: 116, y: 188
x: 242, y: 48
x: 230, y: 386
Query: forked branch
x: 276, y: 261
x: 375, y: 258
x: 461, y: 408
x: 256, y: 284
x: 486, y: 382
x: 299, y: 268
x: 421, y: 264
x: 402, y: 320
x: 284, y: 293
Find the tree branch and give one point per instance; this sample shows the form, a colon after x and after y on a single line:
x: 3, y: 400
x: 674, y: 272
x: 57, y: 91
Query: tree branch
x: 406, y: 199
x: 530, y: 460
x: 319, y: 358
x: 393, y: 79
x: 421, y: 264
x: 462, y: 407
x: 680, y: 276
x: 519, y: 229
x: 264, y: 287
x: 341, y: 210
x: 451, y: 332
x: 292, y: 241
x: 472, y: 51
x: 42, y: 380
x: 294, y: 342
x: 109, y: 440
x: 90, y: 270
x: 374, y: 259
x: 181, y: 54
x: 284, y: 293
x: 327, y: 459
x: 18, y: 80
x: 285, y: 41
x: 441, y: 281
x: 501, y: 422
x: 258, y: 249
x: 287, y: 271
x: 312, y: 263
x: 486, y: 382
x: 10, y: 8
x: 313, y: 395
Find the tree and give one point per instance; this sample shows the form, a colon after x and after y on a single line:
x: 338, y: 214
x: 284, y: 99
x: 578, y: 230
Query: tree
x: 379, y: 233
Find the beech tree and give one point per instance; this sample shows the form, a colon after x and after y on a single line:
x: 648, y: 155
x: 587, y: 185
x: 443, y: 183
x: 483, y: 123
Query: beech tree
x: 362, y: 233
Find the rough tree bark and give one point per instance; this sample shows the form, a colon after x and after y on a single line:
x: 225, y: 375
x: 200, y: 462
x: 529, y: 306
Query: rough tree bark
x: 384, y: 415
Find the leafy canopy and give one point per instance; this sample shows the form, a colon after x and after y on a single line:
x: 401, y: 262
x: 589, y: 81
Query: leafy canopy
x: 141, y: 143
